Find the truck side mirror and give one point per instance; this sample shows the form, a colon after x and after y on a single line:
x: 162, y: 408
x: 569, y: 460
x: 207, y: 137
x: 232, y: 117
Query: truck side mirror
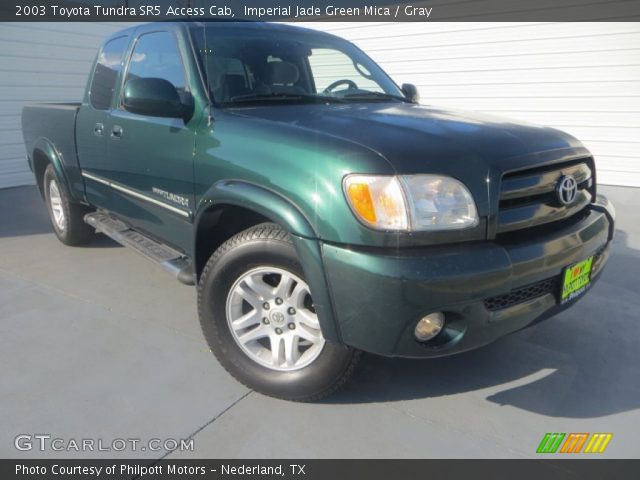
x: 155, y: 97
x: 410, y: 92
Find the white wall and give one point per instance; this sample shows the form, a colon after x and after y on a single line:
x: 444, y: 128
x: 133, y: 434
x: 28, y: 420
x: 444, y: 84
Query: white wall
x: 40, y: 62
x: 583, y: 78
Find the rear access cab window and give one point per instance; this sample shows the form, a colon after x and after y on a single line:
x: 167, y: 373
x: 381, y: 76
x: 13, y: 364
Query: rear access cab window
x: 108, y: 67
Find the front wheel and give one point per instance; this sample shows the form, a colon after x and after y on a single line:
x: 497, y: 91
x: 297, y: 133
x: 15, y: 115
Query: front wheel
x: 257, y: 314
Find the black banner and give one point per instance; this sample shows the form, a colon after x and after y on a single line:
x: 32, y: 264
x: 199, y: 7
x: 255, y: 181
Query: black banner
x: 321, y: 469
x: 321, y: 10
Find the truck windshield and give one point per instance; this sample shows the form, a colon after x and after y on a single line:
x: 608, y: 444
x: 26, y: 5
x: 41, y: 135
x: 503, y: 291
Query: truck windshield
x: 246, y: 64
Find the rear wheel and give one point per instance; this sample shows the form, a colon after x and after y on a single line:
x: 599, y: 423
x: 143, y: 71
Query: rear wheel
x: 67, y: 218
x: 257, y: 314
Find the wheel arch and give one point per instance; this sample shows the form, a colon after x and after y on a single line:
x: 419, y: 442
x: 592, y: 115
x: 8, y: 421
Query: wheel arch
x: 232, y: 206
x: 43, y: 154
x: 244, y: 204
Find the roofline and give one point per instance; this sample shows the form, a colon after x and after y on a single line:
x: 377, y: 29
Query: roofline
x: 189, y: 23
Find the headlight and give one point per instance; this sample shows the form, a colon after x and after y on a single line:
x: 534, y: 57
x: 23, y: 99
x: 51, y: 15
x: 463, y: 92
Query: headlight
x: 411, y: 202
x: 439, y: 203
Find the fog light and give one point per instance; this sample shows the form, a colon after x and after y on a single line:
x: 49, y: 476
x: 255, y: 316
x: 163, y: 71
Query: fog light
x: 429, y: 326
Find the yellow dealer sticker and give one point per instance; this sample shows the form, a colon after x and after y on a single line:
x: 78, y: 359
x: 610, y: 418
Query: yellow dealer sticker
x: 576, y: 279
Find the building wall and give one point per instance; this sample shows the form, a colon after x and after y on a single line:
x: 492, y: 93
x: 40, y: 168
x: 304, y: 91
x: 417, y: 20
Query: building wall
x: 581, y: 77
x: 40, y: 62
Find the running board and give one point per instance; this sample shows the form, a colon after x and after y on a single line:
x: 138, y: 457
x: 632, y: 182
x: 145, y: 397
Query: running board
x: 173, y: 261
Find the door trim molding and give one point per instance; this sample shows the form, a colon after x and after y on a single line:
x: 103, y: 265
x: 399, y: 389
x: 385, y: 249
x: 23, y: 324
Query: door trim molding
x: 133, y: 193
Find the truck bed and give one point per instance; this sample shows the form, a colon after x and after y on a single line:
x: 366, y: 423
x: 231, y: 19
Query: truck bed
x: 52, y: 126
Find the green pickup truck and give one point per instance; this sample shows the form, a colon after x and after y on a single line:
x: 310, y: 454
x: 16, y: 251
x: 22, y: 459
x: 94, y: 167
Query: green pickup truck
x: 318, y: 207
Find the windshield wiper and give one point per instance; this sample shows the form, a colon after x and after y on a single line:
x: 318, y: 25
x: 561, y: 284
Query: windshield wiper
x: 287, y: 97
x: 374, y: 96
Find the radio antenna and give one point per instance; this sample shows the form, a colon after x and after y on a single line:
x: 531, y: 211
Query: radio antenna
x: 206, y: 74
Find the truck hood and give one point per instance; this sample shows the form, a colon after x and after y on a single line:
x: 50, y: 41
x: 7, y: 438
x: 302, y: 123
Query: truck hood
x: 474, y: 148
x: 414, y: 137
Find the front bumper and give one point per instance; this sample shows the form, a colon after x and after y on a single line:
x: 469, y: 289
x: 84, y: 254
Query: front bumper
x: 379, y: 295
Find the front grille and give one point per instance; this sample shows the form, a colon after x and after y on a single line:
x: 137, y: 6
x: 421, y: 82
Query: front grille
x: 514, y: 297
x: 528, y: 198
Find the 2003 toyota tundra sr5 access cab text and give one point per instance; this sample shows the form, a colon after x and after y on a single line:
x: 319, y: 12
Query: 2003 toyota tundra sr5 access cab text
x: 318, y: 207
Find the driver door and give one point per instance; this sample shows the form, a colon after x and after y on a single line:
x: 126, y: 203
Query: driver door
x: 152, y: 157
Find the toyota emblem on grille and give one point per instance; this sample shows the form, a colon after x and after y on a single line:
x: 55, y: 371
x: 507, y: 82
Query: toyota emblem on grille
x: 567, y: 189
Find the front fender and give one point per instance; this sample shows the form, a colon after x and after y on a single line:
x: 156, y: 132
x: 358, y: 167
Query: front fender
x: 279, y: 210
x: 259, y: 199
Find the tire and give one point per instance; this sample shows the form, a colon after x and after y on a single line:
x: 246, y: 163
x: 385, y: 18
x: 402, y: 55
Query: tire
x: 258, y: 266
x: 66, y: 218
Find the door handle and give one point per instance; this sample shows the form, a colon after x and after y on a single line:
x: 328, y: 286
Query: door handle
x: 98, y: 129
x: 116, y: 132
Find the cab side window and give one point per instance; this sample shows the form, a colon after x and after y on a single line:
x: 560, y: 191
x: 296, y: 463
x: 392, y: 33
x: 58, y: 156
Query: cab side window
x: 228, y: 77
x: 156, y: 55
x: 108, y: 67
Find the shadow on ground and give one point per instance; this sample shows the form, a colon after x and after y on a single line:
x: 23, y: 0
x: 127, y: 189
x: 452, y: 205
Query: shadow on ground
x: 583, y: 363
x: 23, y: 212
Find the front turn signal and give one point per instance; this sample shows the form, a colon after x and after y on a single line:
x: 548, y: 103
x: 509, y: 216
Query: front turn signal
x: 377, y: 201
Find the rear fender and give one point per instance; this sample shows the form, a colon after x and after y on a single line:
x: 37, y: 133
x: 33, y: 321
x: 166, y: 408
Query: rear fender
x: 47, y: 149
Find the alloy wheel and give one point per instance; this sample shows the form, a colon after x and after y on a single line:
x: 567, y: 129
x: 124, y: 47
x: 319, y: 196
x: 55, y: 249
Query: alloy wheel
x: 271, y: 317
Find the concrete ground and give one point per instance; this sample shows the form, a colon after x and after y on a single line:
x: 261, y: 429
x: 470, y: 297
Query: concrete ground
x: 97, y: 342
